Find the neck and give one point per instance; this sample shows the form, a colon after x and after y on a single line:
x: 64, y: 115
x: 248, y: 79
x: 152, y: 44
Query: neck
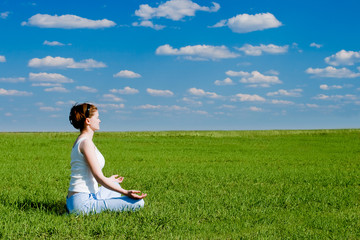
x: 88, y: 132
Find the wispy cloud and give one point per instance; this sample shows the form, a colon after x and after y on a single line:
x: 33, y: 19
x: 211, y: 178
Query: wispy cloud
x: 286, y: 93
x: 56, y: 89
x: 112, y: 98
x: 316, y: 45
x: 161, y: 107
x: 127, y: 74
x: 60, y: 62
x: 201, y: 93
x: 259, y: 50
x: 331, y: 72
x: 343, y: 58
x: 4, y: 15
x: 256, y: 79
x: 54, y: 43
x: 5, y: 92
x: 244, y: 23
x: 2, y: 58
x: 197, y: 52
x: 327, y: 87
x: 248, y: 98
x: 335, y: 97
x: 86, y: 89
x: 149, y: 24
x: 49, y: 77
x: 12, y: 80
x: 125, y: 90
x: 66, y: 21
x: 159, y: 93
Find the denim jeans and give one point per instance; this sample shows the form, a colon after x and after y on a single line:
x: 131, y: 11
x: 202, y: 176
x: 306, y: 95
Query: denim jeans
x: 104, y: 199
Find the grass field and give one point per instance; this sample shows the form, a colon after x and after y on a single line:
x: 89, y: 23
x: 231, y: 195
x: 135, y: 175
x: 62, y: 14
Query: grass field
x: 200, y: 185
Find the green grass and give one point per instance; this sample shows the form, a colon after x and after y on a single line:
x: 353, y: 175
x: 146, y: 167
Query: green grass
x: 200, y: 185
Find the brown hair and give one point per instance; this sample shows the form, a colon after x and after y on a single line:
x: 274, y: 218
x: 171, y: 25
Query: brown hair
x: 79, y: 112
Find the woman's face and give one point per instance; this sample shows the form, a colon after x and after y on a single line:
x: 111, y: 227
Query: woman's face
x: 95, y: 121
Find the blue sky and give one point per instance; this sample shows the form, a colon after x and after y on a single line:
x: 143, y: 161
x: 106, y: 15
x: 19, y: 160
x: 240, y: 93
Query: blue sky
x: 180, y: 64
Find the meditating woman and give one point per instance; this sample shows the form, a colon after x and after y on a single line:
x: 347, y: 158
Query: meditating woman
x: 85, y: 196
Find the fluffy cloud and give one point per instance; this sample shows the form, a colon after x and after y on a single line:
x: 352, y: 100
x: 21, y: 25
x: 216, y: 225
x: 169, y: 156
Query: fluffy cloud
x: 331, y: 72
x: 46, y: 85
x: 12, y: 80
x: 86, y: 89
x: 162, y: 107
x: 54, y: 43
x: 125, y: 90
x: 343, y: 58
x: 201, y: 93
x: 192, y: 102
x: 335, y: 97
x: 159, y: 93
x: 147, y: 23
x: 259, y: 50
x: 127, y: 74
x: 112, y: 98
x: 248, y: 98
x: 110, y: 106
x: 49, y: 77
x: 287, y: 93
x: 255, y: 109
x: 197, y: 52
x: 226, y: 81
x: 60, y: 62
x: 173, y: 9
x: 326, y: 87
x: 260, y: 80
x: 56, y: 89
x: 66, y: 22
x: 2, y: 58
x: 4, y: 92
x: 315, y: 45
x: 237, y: 74
x: 244, y: 23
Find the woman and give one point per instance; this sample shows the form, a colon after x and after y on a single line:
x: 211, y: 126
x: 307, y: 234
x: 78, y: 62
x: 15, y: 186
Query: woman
x: 84, y: 195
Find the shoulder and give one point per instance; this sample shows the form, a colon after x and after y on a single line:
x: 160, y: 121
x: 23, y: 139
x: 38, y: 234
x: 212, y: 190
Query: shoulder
x: 86, y: 145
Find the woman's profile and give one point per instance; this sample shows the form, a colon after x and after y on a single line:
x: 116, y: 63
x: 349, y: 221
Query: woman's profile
x: 84, y: 195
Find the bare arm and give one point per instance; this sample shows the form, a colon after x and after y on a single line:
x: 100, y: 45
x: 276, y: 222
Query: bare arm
x: 87, y: 148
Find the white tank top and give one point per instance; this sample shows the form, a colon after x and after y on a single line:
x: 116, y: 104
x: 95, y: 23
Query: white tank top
x: 82, y: 180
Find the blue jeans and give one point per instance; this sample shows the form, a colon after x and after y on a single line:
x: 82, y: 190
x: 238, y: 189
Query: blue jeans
x: 104, y: 199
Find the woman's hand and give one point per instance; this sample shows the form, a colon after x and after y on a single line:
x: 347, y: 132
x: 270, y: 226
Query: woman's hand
x: 134, y: 194
x: 116, y: 178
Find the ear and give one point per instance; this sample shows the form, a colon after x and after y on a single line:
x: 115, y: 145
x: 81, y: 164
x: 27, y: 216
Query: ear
x: 87, y: 121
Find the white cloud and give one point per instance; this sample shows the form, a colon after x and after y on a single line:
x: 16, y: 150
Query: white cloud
x: 4, y: 15
x: 12, y: 80
x: 257, y: 78
x: 244, y: 23
x: 335, y: 97
x: 86, y: 89
x: 112, y: 98
x: 162, y: 107
x: 326, y: 87
x: 60, y: 62
x: 4, y: 92
x: 287, y: 93
x: 66, y: 21
x: 255, y: 109
x: 68, y: 103
x: 201, y: 112
x: 49, y: 77
x: 226, y: 81
x: 56, y: 89
x: 259, y: 50
x: 343, y: 58
x: 248, y: 98
x: 331, y: 72
x: 127, y: 74
x: 315, y: 45
x: 147, y: 23
x: 192, y: 102
x: 282, y: 102
x: 237, y: 74
x: 8, y: 114
x: 201, y: 93
x: 46, y: 85
x: 54, y: 43
x: 49, y: 109
x: 310, y: 105
x: 173, y: 9
x: 159, y: 93
x: 197, y: 52
x: 110, y: 106
x: 125, y: 90
x: 2, y: 58
x: 226, y: 106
